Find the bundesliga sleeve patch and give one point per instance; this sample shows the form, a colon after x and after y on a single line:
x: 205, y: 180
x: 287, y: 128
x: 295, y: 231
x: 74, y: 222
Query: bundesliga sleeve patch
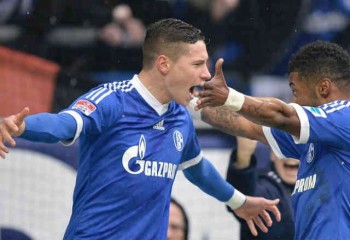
x: 317, y: 112
x: 85, y: 107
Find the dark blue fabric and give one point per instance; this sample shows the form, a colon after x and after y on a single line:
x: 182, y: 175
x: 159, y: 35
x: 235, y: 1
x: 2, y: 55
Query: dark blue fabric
x: 264, y: 183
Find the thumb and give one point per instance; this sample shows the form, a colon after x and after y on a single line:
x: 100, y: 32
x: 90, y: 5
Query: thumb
x: 218, y: 67
x: 23, y: 114
x: 273, y: 202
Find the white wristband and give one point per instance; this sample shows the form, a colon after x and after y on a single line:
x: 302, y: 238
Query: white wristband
x: 234, y: 100
x: 237, y: 200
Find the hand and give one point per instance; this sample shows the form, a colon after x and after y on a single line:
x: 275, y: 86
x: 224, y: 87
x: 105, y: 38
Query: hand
x: 254, y: 212
x: 215, y: 91
x: 13, y: 125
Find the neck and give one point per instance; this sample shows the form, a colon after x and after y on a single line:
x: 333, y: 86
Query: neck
x: 155, y: 85
x: 335, y: 97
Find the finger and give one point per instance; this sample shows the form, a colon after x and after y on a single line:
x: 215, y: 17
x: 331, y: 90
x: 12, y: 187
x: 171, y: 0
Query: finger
x: 252, y: 227
x: 267, y: 219
x: 200, y: 93
x: 275, y: 212
x: 3, y: 148
x: 2, y: 155
x: 273, y: 202
x: 10, y: 126
x: 218, y: 67
x: 20, y: 116
x: 8, y: 138
x: 5, y: 132
x: 203, y: 102
x: 260, y: 224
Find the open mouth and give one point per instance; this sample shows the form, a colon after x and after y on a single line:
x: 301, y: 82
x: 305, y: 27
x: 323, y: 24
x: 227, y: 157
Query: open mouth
x: 192, y: 90
x: 291, y: 166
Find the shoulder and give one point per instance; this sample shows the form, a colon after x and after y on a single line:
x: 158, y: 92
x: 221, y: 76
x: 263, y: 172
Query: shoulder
x: 328, y: 109
x: 108, y: 92
x: 336, y: 106
x: 119, y: 86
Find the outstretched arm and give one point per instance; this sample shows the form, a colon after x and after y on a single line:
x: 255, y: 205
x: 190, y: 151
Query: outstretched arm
x: 270, y: 112
x: 252, y: 209
x: 43, y: 127
x: 230, y: 122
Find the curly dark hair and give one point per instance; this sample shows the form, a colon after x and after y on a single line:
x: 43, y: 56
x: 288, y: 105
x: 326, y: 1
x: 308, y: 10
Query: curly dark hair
x: 322, y: 59
x: 164, y: 37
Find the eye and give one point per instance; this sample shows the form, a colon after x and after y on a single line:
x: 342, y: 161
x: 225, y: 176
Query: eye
x: 200, y: 63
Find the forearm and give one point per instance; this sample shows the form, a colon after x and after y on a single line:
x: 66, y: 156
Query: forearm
x: 271, y: 112
x: 206, y: 177
x: 230, y: 122
x: 50, y: 128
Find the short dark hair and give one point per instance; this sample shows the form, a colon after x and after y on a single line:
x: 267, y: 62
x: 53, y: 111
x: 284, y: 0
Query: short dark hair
x: 322, y: 59
x: 186, y: 222
x: 164, y: 36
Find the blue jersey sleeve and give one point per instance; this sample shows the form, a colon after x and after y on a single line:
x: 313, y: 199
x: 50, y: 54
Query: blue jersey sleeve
x: 206, y: 177
x: 326, y: 124
x: 49, y: 128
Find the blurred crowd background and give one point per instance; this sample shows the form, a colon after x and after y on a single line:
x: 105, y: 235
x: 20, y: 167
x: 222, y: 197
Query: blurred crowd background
x: 52, y: 51
x: 91, y: 41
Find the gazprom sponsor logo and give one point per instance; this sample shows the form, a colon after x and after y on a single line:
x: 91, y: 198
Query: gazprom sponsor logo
x: 305, y: 184
x: 151, y: 168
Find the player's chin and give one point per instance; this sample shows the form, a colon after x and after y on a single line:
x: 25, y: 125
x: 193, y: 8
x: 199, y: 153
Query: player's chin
x: 185, y: 101
x: 182, y: 100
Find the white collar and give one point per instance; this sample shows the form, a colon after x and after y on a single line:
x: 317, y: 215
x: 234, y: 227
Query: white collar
x: 148, y: 97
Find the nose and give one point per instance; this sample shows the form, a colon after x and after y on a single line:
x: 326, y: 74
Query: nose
x: 206, y: 74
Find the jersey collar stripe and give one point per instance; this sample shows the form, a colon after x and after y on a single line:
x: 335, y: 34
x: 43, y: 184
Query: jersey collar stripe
x: 98, y: 93
x: 103, y: 96
x: 93, y: 92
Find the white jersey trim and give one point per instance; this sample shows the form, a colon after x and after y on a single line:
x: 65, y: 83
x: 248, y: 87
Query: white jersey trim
x: 149, y: 98
x: 79, y: 122
x: 98, y: 95
x: 191, y: 162
x: 272, y: 142
x: 304, y: 124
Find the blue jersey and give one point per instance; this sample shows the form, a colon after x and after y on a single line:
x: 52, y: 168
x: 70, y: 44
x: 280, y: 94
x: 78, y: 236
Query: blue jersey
x: 321, y: 197
x: 131, y: 147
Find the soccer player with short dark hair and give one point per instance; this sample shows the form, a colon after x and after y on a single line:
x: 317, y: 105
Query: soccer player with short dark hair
x: 314, y: 129
x: 133, y: 137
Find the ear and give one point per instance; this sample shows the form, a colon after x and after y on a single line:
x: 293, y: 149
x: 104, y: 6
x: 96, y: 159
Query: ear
x: 163, y: 64
x: 324, y: 87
